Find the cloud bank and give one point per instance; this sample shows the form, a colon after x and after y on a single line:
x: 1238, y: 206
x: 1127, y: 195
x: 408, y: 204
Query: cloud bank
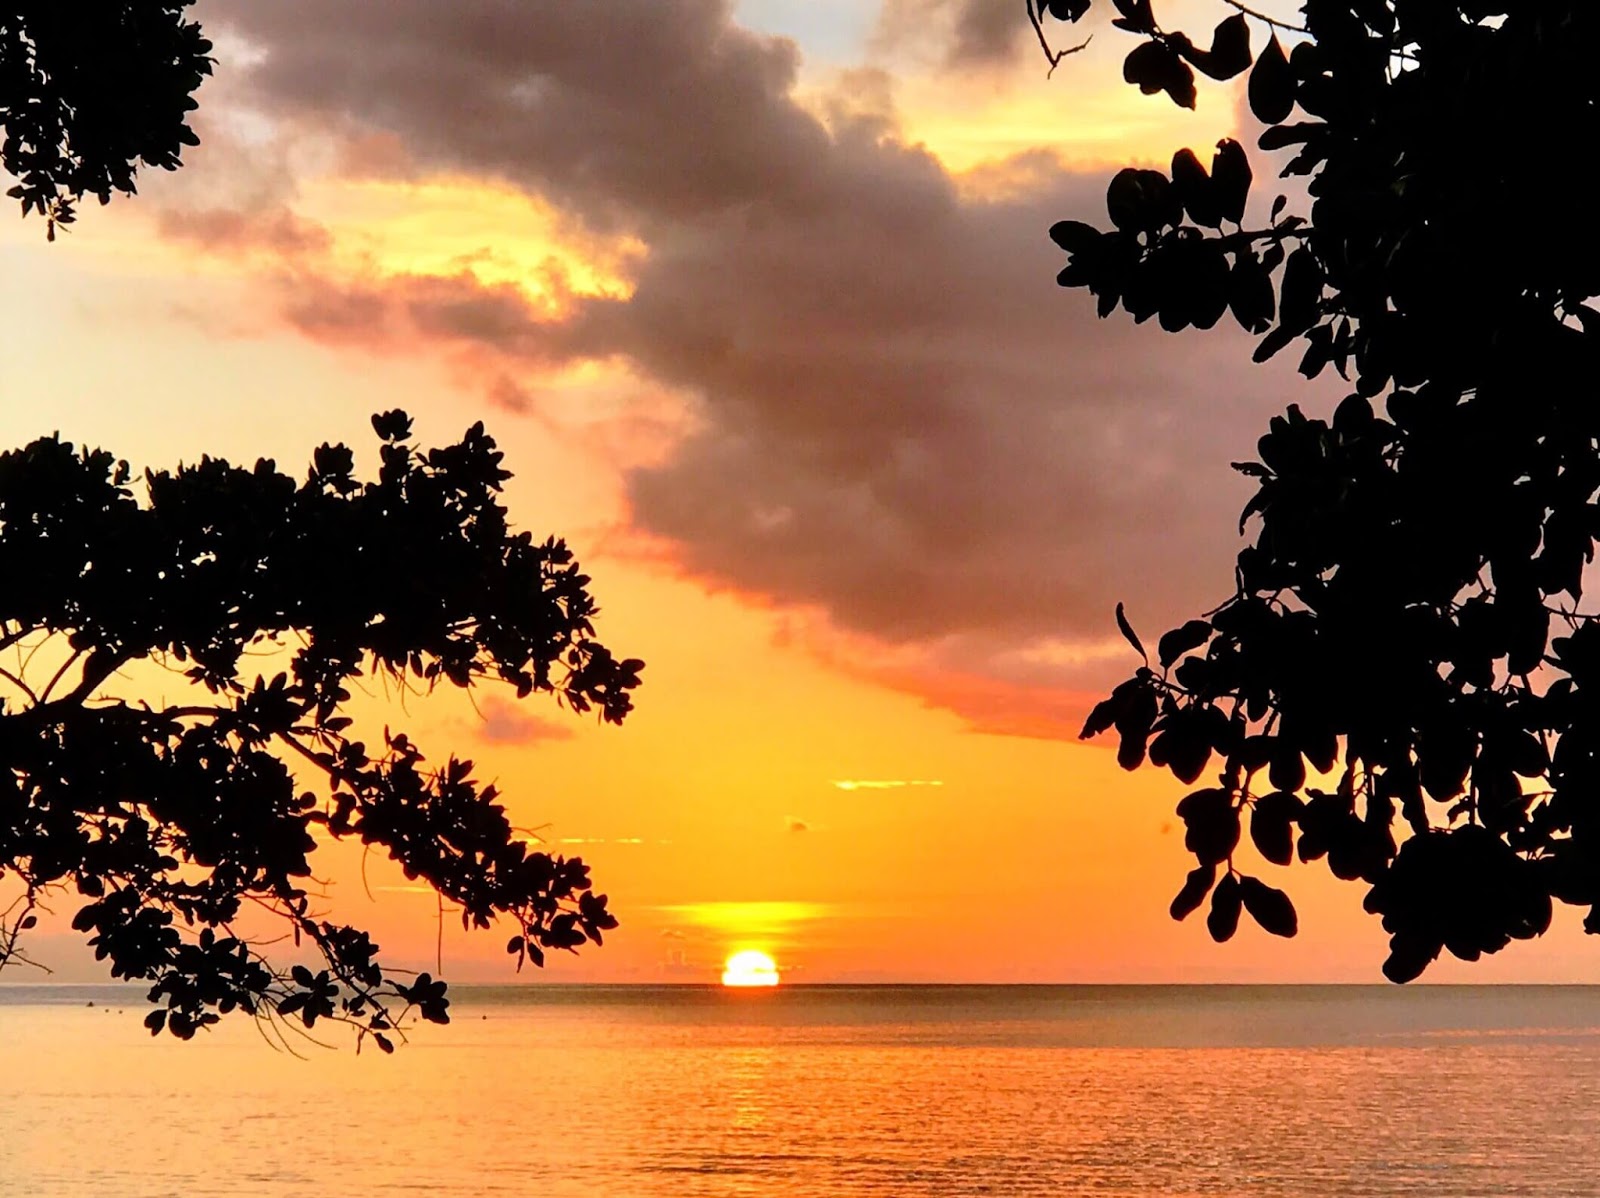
x: 895, y: 417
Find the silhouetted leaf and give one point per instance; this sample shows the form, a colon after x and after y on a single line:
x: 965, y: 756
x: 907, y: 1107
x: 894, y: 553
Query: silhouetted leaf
x: 1275, y: 341
x: 1279, y: 136
x: 1287, y: 770
x: 1272, y: 825
x: 1250, y: 294
x: 1142, y: 201
x: 1269, y: 907
x: 1101, y: 717
x: 1301, y: 292
x: 1195, y: 888
x: 1229, y: 54
x: 1128, y: 633
x: 1226, y: 903
x: 1408, y: 957
x: 1182, y: 747
x: 1194, y: 189
x: 1211, y: 825
x: 1231, y: 177
x: 1155, y: 67
x: 1066, y: 10
x: 1074, y: 236
x: 1179, y: 641
x: 1272, y: 85
x: 392, y: 426
x: 1135, y: 16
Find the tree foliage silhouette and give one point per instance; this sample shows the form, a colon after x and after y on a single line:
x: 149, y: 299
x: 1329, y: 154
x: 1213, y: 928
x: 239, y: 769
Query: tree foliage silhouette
x: 1402, y: 684
x: 89, y: 91
x: 175, y: 819
x: 186, y: 826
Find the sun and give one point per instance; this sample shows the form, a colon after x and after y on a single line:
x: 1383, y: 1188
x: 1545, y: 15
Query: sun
x: 750, y: 968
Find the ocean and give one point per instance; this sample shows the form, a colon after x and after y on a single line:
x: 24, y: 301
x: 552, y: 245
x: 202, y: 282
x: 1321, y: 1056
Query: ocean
x: 824, y: 1092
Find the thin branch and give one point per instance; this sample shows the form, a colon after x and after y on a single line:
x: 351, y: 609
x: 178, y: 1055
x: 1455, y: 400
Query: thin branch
x: 18, y: 682
x: 1054, y: 57
x: 91, y: 679
x: 200, y: 712
x: 1261, y: 16
x: 11, y: 638
x: 20, y: 922
x: 25, y: 662
x: 65, y: 666
x: 324, y: 766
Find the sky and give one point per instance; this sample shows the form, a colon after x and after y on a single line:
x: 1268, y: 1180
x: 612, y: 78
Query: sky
x: 758, y: 299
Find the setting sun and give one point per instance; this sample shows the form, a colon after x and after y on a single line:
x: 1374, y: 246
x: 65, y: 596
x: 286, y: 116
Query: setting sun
x: 750, y: 968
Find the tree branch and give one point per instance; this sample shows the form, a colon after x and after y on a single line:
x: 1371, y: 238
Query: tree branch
x: 1054, y: 57
x: 65, y: 666
x: 21, y: 685
x: 1261, y: 16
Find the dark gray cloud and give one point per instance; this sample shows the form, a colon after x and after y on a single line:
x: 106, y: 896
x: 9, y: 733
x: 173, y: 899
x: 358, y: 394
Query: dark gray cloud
x: 961, y: 33
x: 900, y: 419
x: 624, y: 109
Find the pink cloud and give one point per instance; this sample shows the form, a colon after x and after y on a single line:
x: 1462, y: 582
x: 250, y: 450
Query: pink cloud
x: 506, y: 723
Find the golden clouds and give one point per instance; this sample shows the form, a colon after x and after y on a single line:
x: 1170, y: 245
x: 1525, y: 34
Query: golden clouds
x: 444, y: 226
x: 747, y: 919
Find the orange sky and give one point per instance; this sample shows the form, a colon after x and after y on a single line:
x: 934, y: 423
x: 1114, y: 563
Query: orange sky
x: 853, y: 748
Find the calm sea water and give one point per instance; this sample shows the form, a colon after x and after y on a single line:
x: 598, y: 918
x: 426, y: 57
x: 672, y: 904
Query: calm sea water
x: 638, y: 1092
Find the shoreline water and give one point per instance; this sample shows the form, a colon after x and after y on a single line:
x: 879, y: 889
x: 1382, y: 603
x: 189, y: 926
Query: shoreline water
x: 685, y: 1091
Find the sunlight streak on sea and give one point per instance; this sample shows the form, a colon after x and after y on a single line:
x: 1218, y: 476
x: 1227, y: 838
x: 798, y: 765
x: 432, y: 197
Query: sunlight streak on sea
x: 640, y: 1092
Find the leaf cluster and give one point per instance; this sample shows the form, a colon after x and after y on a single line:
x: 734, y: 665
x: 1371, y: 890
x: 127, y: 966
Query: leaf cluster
x: 89, y: 91
x: 173, y: 820
x: 1403, y: 683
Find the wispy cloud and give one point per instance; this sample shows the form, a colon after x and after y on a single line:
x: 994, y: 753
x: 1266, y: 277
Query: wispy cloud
x: 747, y: 919
x: 884, y: 783
x: 504, y: 723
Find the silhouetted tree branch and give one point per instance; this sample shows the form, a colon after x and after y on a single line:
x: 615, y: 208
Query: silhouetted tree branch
x: 165, y: 824
x: 169, y: 820
x: 1036, y: 9
x: 1383, y: 691
x: 89, y: 91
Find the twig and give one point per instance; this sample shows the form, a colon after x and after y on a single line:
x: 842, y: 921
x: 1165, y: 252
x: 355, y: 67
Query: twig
x: 25, y: 688
x: 11, y: 638
x: 19, y: 920
x: 1054, y: 57
x: 65, y: 666
x: 1261, y: 16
